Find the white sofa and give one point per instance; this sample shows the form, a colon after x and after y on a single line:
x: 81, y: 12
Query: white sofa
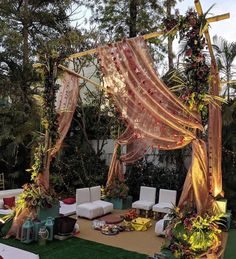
x: 89, y: 204
x: 67, y: 209
x: 6, y: 194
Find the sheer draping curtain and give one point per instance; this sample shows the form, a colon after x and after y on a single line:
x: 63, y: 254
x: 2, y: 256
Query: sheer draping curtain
x: 66, y: 102
x: 154, y: 116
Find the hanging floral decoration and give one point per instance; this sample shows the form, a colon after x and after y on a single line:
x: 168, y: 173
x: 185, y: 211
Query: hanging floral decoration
x: 193, y: 81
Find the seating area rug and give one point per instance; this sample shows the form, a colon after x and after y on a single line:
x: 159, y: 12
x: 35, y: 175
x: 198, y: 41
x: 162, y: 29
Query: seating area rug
x: 230, y: 250
x: 74, y: 248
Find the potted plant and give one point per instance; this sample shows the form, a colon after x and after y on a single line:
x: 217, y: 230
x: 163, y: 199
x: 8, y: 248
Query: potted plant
x: 117, y: 193
x: 193, y: 236
x: 36, y: 197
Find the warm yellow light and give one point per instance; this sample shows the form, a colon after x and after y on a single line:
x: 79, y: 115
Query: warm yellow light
x: 2, y: 221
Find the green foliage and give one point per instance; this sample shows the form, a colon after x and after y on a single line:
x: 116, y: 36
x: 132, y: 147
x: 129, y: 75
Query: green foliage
x: 77, y: 166
x: 118, y: 19
x: 78, y: 171
x: 25, y: 25
x: 99, y: 116
x: 191, y: 235
x: 145, y: 172
x: 38, y: 163
x: 229, y: 154
x: 36, y: 196
x: 225, y: 56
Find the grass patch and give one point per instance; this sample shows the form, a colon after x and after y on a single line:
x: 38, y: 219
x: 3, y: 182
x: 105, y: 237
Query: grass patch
x: 230, y: 251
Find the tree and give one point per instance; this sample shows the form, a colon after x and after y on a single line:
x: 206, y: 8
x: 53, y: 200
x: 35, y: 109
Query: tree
x: 169, y: 4
x: 226, y: 55
x: 124, y: 19
x: 25, y: 26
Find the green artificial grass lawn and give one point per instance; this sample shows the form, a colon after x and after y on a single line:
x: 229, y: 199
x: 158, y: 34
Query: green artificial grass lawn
x: 230, y: 250
x: 74, y: 248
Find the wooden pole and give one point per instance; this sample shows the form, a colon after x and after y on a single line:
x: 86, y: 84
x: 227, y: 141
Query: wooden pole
x: 156, y: 34
x: 215, y: 124
x: 78, y: 75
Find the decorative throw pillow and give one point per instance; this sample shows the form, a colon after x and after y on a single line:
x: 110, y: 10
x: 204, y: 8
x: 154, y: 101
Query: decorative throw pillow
x: 69, y: 200
x: 9, y: 202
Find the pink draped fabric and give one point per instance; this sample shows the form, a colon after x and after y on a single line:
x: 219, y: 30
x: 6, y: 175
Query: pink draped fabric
x: 153, y: 114
x: 66, y: 101
x: 214, y: 138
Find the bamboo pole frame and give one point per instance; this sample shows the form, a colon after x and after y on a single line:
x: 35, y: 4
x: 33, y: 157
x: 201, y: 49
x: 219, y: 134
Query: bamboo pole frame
x: 78, y: 75
x: 159, y: 33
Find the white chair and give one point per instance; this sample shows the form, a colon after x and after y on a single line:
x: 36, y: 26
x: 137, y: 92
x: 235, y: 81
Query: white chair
x: 146, y: 200
x: 82, y: 195
x: 85, y: 208
x: 89, y: 205
x: 167, y: 201
x: 95, y: 197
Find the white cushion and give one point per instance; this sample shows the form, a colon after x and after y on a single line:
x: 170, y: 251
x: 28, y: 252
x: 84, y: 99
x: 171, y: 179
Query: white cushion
x: 10, y: 252
x: 5, y: 212
x: 106, y: 206
x: 167, y: 196
x: 147, y: 194
x: 163, y: 207
x: 160, y: 227
x: 82, y: 195
x: 10, y: 193
x: 143, y: 205
x: 67, y: 209
x: 95, y: 193
x: 89, y: 210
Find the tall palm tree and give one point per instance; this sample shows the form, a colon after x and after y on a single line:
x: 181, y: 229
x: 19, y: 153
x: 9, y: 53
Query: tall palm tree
x: 225, y: 55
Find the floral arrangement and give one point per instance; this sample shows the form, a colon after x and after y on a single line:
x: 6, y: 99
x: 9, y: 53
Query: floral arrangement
x: 130, y: 215
x: 195, y: 77
x: 35, y: 196
x: 191, y: 235
x: 117, y: 189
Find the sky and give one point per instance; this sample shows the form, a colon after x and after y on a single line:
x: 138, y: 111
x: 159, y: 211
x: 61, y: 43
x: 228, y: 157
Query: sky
x: 225, y: 28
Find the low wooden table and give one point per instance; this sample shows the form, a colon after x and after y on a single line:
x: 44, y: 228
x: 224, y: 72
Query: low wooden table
x: 141, y: 224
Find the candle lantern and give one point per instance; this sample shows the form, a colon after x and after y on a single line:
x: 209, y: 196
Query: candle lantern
x: 43, y: 235
x: 27, y: 232
x: 37, y: 226
x: 49, y: 225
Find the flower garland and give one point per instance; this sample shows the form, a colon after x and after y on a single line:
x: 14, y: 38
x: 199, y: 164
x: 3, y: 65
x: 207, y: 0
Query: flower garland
x: 196, y: 74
